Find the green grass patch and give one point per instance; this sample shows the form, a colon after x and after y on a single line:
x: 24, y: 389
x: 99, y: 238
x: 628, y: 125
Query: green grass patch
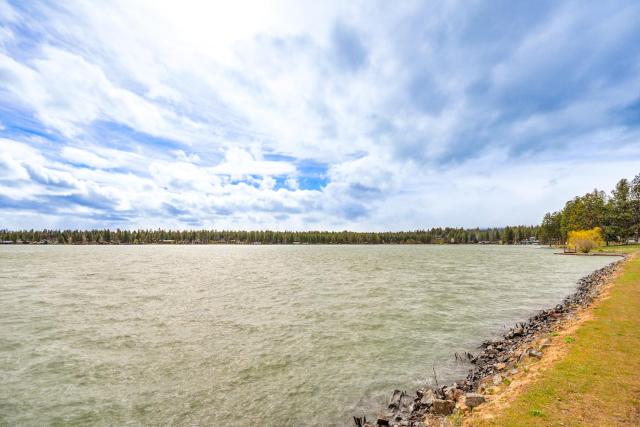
x: 536, y: 413
x: 619, y: 249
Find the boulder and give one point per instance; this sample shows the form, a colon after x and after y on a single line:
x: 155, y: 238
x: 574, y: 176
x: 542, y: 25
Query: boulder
x: 427, y: 398
x: 382, y: 422
x: 473, y: 399
x: 442, y: 407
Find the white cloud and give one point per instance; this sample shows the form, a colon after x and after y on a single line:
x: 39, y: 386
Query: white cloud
x: 238, y: 163
x: 77, y: 155
x: 182, y: 156
x: 173, y: 113
x: 7, y: 12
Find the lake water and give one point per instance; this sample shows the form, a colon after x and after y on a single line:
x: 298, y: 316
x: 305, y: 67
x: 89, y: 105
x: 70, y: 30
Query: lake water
x: 251, y: 335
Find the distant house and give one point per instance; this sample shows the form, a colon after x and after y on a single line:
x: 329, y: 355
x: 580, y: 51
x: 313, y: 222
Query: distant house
x: 167, y: 241
x: 530, y: 241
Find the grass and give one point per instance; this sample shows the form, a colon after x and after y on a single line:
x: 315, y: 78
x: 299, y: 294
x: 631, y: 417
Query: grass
x: 620, y: 249
x: 598, y: 382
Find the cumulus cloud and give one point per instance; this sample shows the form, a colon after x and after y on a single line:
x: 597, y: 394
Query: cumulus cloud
x: 238, y: 163
x: 312, y: 114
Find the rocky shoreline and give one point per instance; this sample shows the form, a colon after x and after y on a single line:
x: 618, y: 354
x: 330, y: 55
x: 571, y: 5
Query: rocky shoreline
x: 494, y: 363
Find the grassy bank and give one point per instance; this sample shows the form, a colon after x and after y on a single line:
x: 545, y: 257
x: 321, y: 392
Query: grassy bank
x: 598, y: 382
x: 620, y: 249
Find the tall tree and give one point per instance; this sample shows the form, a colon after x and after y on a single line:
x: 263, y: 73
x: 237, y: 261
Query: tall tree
x: 550, y: 231
x: 634, y: 195
x: 621, y: 210
x: 583, y: 213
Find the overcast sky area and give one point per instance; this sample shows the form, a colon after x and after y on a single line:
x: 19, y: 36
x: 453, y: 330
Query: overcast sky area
x: 312, y: 115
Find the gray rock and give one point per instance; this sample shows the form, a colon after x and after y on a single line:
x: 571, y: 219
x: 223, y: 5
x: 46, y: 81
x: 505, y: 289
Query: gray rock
x: 442, y: 407
x: 497, y: 379
x: 473, y: 399
x: 536, y: 354
x: 394, y: 402
x: 427, y: 398
x: 451, y: 393
x: 406, y: 401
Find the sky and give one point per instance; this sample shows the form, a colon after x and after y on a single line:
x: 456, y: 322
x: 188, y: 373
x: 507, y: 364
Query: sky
x: 307, y: 115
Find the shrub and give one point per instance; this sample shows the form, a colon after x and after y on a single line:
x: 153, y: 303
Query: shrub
x: 536, y: 412
x: 585, y: 240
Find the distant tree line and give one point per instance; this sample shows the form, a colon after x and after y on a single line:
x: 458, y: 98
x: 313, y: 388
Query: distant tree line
x: 505, y: 235
x: 617, y: 215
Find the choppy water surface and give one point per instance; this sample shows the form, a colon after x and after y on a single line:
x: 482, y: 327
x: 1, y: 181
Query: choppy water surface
x: 237, y: 335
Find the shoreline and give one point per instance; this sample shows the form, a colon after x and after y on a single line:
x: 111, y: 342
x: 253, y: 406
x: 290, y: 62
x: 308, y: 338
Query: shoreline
x: 496, y: 362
